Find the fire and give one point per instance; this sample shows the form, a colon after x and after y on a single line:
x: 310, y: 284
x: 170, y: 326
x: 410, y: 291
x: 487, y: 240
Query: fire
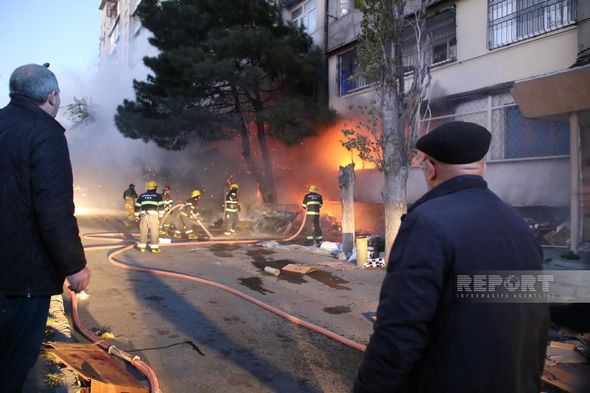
x: 335, y: 155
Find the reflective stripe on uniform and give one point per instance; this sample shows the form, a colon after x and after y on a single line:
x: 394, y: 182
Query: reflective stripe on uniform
x: 231, y: 210
x: 154, y: 246
x: 313, y: 213
x: 141, y: 245
x: 314, y: 203
x: 154, y: 203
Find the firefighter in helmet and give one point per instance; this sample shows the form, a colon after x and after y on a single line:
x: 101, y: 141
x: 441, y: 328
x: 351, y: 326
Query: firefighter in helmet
x: 187, y: 217
x: 312, y: 203
x: 231, y: 209
x: 149, y: 208
x: 167, y: 203
x: 130, y: 196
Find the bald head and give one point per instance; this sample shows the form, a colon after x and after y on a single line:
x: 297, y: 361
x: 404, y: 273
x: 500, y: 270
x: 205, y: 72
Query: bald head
x: 436, y: 172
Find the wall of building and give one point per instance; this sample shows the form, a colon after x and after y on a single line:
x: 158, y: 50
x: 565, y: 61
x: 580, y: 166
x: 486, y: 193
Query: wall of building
x: 532, y: 182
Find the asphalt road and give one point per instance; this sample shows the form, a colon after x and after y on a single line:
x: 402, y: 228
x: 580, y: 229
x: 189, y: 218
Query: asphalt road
x: 201, y: 339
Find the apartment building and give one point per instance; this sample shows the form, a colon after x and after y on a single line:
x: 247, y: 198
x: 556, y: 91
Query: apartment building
x: 480, y: 51
x: 123, y: 40
x: 485, y: 55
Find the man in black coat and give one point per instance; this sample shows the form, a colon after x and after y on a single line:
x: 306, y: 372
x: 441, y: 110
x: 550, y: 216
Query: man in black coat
x: 425, y: 339
x: 39, y: 240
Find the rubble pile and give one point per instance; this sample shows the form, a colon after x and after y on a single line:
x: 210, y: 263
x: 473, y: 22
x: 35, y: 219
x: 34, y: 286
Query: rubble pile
x: 274, y: 221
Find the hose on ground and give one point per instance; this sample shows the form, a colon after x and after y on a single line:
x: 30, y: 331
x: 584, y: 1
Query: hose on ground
x: 130, y: 244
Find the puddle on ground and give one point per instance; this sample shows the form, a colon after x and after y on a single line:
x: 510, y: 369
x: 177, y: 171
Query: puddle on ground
x: 223, y: 250
x: 329, y: 279
x: 337, y: 310
x: 255, y: 284
x: 258, y: 255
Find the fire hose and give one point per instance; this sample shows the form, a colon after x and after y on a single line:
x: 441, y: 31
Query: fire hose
x: 130, y: 244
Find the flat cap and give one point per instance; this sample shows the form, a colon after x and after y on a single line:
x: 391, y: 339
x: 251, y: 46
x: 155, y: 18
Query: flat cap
x: 457, y: 142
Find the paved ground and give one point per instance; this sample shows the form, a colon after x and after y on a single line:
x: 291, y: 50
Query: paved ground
x: 199, y: 338
x: 207, y: 340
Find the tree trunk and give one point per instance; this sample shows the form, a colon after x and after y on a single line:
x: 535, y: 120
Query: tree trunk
x: 247, y: 155
x: 270, y: 193
x: 246, y: 147
x: 395, y: 169
x: 346, y: 183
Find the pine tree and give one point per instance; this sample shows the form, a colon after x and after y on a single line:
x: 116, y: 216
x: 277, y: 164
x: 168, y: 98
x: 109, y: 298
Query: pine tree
x: 225, y: 68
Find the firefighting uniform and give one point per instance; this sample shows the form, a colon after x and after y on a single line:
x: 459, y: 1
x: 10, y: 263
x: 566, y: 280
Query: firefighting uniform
x: 167, y: 203
x: 186, y: 219
x: 231, y: 210
x: 312, y: 202
x: 149, y: 208
x: 130, y: 196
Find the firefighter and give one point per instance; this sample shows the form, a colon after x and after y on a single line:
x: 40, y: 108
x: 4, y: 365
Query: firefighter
x: 231, y: 209
x: 167, y: 203
x: 187, y: 217
x: 149, y: 207
x: 312, y: 202
x: 130, y: 196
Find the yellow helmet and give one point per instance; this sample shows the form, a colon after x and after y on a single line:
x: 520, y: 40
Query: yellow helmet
x: 152, y: 185
x: 313, y: 188
x: 235, y: 185
x: 196, y: 193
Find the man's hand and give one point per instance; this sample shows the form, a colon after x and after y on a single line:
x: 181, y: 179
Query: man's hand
x: 79, y: 281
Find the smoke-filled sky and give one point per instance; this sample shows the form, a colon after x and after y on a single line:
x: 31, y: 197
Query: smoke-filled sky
x: 64, y: 33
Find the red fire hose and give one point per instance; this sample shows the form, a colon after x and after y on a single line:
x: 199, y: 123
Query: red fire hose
x: 129, y: 245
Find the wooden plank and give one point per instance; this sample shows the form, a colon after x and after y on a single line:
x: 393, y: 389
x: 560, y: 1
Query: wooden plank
x: 562, y: 345
x: 572, y: 378
x: 299, y: 268
x: 93, y: 364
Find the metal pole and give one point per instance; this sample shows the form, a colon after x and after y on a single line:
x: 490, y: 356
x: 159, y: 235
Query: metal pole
x: 575, y: 182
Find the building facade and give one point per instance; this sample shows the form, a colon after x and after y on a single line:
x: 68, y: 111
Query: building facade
x: 123, y: 40
x: 479, y: 50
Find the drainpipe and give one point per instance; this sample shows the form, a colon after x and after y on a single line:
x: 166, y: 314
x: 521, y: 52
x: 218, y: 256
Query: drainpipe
x: 575, y: 182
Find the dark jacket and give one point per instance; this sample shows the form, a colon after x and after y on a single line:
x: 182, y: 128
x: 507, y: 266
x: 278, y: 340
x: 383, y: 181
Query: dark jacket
x: 130, y: 193
x: 312, y: 203
x: 231, y: 204
x: 39, y: 239
x: 150, y: 202
x: 426, y: 341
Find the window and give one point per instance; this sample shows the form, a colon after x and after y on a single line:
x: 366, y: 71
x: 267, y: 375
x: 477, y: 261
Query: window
x: 534, y: 137
x: 344, y: 7
x: 305, y: 15
x: 510, y: 21
x: 347, y: 81
x: 442, y: 40
x: 114, y: 35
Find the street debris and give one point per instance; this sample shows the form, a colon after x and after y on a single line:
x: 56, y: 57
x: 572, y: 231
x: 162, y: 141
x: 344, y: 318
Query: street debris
x: 95, y: 367
x: 272, y: 270
x: 274, y: 221
x: 299, y: 268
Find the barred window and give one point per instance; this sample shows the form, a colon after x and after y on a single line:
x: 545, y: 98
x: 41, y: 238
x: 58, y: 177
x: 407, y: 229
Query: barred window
x: 510, y: 21
x: 534, y: 137
x: 441, y: 31
x: 347, y: 80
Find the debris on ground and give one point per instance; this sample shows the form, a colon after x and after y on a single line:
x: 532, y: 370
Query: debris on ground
x: 299, y: 268
x: 274, y: 221
x: 96, y: 367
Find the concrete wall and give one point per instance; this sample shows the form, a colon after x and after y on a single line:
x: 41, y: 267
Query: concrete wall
x: 533, y: 182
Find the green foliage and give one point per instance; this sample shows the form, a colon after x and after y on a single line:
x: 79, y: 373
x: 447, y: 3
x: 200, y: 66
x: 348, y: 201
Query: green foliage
x: 53, y: 380
x: 570, y: 255
x: 222, y: 63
